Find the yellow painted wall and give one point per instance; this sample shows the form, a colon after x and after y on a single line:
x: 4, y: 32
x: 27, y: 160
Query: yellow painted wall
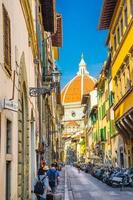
x: 124, y: 106
x: 123, y: 52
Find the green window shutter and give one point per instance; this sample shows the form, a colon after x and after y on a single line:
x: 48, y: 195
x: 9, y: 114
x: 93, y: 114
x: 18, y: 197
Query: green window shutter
x: 112, y: 127
x: 101, y: 134
x: 104, y: 135
x: 103, y: 110
x: 111, y: 99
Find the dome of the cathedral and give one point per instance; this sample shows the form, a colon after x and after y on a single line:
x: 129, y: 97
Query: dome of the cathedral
x: 81, y: 84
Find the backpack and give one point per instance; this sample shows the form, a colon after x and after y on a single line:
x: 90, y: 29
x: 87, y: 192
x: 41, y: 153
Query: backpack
x: 52, y: 177
x: 39, y: 186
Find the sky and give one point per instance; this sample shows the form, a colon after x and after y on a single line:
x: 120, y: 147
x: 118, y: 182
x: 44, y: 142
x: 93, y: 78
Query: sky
x: 81, y: 35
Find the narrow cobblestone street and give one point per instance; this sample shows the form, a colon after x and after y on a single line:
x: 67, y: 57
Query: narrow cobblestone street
x: 84, y: 186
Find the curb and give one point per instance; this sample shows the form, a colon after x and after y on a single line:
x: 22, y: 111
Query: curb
x: 66, y: 188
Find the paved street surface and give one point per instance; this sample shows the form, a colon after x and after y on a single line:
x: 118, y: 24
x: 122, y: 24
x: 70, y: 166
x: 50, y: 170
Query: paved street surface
x: 61, y: 187
x: 82, y: 186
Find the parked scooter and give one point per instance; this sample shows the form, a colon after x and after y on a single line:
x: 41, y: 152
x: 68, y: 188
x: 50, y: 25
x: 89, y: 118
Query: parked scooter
x: 121, y: 178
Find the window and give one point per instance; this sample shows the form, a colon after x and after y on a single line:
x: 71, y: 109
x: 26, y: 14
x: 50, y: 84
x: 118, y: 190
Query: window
x: 8, y: 180
x: 115, y: 42
x: 112, y: 127
x: 111, y: 98
x: 125, y: 16
x: 103, y: 110
x: 121, y: 26
x: 128, y: 82
x: 103, y: 134
x: 118, y: 35
x: 9, y: 137
x: 119, y: 86
x: 116, y: 89
x: 7, y: 40
x: 123, y: 82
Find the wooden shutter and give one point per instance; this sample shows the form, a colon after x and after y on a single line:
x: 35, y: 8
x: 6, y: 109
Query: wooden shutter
x: 57, y: 37
x: 6, y: 40
x: 49, y: 15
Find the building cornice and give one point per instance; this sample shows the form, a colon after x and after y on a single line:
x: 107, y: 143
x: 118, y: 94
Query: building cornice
x: 29, y: 23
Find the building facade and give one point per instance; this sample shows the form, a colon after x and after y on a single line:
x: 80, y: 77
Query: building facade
x: 119, y: 20
x: 26, y: 59
x: 90, y: 115
x: 17, y: 71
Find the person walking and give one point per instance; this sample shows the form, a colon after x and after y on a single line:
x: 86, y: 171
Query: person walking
x: 53, y: 176
x: 41, y: 185
x: 78, y: 167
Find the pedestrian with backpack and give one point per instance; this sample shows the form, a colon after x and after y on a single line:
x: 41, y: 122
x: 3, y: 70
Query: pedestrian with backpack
x: 41, y: 185
x: 53, y: 176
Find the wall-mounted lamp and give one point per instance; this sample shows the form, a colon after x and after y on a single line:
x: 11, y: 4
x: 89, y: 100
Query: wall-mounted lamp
x: 55, y: 77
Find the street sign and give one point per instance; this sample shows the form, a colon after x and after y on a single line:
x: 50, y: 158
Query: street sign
x: 9, y: 104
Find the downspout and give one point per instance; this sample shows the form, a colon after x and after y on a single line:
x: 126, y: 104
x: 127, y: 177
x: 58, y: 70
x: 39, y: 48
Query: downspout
x: 13, y: 88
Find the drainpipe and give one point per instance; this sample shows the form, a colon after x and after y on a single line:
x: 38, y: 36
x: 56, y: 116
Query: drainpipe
x: 13, y: 89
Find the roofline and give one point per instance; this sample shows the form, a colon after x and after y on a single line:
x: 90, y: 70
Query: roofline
x: 106, y: 15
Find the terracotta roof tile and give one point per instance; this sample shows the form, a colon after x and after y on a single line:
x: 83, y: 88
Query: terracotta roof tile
x: 73, y: 90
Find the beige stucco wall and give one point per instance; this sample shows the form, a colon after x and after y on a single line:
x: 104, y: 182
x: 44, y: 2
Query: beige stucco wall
x: 19, y: 39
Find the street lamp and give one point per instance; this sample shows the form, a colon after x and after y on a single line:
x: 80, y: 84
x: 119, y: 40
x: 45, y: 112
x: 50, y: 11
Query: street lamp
x: 55, y: 77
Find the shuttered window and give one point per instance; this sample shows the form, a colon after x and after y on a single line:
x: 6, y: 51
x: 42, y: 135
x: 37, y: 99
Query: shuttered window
x: 103, y: 134
x: 7, y: 40
x: 103, y: 110
x: 111, y: 99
